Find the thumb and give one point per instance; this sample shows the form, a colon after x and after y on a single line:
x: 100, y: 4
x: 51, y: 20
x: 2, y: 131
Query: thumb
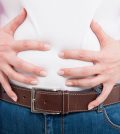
x: 16, y: 22
x: 100, y: 34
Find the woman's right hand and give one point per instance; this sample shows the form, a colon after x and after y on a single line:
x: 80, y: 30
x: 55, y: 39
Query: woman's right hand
x: 9, y: 47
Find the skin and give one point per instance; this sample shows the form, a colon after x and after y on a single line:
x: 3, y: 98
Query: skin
x: 9, y: 47
x: 106, y: 68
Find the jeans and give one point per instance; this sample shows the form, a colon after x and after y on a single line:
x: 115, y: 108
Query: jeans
x: 16, y: 119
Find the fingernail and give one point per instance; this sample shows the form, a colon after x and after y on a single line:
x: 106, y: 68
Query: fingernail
x: 68, y: 83
x: 43, y: 73
x: 34, y: 82
x: 14, y: 98
x: 61, y: 72
x: 61, y: 54
x: 47, y: 46
x: 90, y: 107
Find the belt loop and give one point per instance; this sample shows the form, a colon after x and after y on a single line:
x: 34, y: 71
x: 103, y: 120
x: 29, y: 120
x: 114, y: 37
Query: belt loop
x: 63, y: 99
x: 65, y: 102
x: 98, y: 89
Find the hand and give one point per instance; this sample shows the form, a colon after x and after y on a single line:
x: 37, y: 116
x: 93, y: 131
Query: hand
x: 8, y: 56
x: 106, y: 68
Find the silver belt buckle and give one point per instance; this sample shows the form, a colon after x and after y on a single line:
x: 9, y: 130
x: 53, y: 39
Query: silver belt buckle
x: 33, y: 110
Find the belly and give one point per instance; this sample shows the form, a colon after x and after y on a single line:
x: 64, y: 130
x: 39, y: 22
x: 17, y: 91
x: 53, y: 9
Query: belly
x: 64, y: 29
x: 52, y: 63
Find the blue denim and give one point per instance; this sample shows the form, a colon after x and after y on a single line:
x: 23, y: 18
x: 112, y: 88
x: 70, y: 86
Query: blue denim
x: 16, y: 119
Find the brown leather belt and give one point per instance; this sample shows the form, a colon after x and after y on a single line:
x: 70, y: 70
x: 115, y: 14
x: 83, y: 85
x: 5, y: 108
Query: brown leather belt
x: 57, y: 102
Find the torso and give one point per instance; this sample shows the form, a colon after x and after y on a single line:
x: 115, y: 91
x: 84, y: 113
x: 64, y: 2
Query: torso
x: 66, y: 25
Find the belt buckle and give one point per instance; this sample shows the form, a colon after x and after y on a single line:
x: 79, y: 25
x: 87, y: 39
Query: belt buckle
x: 33, y: 110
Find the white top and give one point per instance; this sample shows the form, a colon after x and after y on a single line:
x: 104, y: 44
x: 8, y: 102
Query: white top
x: 66, y: 25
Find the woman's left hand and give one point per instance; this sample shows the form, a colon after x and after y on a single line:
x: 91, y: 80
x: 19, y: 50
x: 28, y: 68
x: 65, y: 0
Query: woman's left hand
x: 106, y: 68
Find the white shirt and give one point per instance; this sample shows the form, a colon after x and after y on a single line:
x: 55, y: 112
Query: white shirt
x: 66, y: 25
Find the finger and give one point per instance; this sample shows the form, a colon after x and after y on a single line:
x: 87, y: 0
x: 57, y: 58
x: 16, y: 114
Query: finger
x: 107, y: 88
x: 80, y: 71
x: 86, y: 82
x: 100, y: 34
x: 16, y: 22
x: 5, y: 84
x: 24, y: 45
x: 26, y: 66
x: 84, y: 55
x: 17, y: 76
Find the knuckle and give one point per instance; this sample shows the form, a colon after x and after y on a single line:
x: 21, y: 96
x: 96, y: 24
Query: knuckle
x: 84, y: 72
x: 26, y: 80
x: 94, y: 58
x: 81, y: 54
x: 35, y: 70
x: 76, y: 82
x: 10, y: 74
x: 79, y: 83
x: 20, y: 64
x: 73, y: 82
x: 25, y: 44
x: 39, y: 45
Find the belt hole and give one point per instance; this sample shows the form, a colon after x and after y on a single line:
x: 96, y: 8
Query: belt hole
x: 24, y: 97
x: 45, y: 102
